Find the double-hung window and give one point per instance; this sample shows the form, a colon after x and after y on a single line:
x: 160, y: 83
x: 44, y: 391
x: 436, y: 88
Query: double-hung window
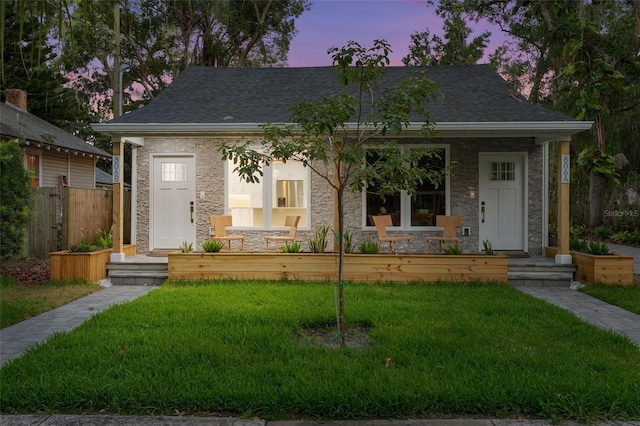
x: 410, y: 212
x: 283, y: 190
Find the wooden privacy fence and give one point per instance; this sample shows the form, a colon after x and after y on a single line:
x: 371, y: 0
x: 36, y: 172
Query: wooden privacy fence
x: 86, y: 212
x: 42, y: 231
x: 79, y: 215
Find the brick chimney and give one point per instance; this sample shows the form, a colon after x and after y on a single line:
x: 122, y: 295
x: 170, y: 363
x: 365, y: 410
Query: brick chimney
x: 17, y: 97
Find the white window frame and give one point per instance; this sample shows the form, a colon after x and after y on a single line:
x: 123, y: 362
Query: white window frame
x: 267, y: 197
x: 405, y: 199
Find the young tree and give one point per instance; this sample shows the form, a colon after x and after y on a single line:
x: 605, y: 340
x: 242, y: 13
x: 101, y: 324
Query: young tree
x: 332, y: 136
x: 15, y: 211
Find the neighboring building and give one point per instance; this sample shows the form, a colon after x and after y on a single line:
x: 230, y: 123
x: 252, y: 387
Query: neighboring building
x: 498, y: 139
x: 55, y: 157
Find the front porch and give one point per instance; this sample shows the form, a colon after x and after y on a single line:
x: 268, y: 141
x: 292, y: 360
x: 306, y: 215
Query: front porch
x: 533, y: 271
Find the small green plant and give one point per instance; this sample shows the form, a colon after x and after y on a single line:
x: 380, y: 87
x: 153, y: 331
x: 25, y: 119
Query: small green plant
x: 369, y: 247
x: 578, y: 231
x: 577, y: 245
x: 293, y: 247
x: 452, y: 249
x: 186, y: 247
x: 488, y: 250
x: 602, y: 232
x: 82, y: 247
x: 597, y: 248
x: 212, y: 246
x: 319, y: 242
x: 626, y: 237
x: 105, y: 239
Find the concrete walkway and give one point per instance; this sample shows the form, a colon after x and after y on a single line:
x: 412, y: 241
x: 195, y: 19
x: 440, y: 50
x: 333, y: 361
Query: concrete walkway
x: 15, y: 339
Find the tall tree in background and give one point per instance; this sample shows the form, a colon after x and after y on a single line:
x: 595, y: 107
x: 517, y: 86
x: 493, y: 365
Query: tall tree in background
x: 426, y: 50
x: 579, y: 57
x: 235, y: 33
x: 29, y: 63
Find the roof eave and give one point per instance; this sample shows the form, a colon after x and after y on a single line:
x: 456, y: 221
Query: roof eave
x: 539, y: 129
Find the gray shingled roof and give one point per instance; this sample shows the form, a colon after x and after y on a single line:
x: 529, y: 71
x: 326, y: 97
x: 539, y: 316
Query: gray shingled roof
x: 17, y: 123
x: 474, y: 93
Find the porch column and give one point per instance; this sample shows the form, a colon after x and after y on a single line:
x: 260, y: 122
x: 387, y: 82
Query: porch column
x: 118, y: 200
x: 564, y: 173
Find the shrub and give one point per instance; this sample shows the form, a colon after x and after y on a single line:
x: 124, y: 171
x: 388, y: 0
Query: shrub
x: 212, y: 246
x: 293, y: 247
x: 369, y: 247
x: 578, y: 231
x: 577, y: 245
x: 598, y: 248
x: 452, y: 249
x: 602, y: 232
x: 488, y: 250
x: 319, y: 242
x: 15, y: 208
x: 105, y: 239
x: 186, y: 247
x: 82, y: 247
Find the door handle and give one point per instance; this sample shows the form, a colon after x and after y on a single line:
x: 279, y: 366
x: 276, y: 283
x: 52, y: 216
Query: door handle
x: 191, y: 210
x: 482, y: 213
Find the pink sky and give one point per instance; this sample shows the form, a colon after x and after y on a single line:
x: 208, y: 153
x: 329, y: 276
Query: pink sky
x: 335, y: 22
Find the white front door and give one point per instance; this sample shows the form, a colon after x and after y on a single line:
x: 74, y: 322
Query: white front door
x: 173, y: 196
x: 501, y: 203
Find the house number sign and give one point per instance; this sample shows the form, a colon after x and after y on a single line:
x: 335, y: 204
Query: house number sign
x: 565, y: 170
x: 116, y: 169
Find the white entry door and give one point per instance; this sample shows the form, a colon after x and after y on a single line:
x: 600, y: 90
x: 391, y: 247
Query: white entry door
x: 501, y: 200
x: 173, y: 196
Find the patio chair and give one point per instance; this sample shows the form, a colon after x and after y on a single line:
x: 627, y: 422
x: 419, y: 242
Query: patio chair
x: 218, y: 230
x: 449, y: 226
x: 292, y: 223
x: 382, y: 222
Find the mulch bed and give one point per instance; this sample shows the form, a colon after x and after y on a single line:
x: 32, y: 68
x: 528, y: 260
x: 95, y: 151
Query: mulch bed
x: 30, y: 272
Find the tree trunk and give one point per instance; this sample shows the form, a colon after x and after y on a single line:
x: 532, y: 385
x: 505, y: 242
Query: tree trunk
x: 596, y: 199
x: 340, y: 313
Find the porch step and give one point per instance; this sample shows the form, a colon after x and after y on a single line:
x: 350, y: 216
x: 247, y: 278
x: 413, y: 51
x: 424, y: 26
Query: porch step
x: 147, y: 274
x: 525, y: 273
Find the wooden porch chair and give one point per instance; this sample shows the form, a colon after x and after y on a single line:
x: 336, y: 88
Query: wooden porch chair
x: 449, y: 226
x: 381, y: 223
x: 218, y: 230
x: 292, y: 223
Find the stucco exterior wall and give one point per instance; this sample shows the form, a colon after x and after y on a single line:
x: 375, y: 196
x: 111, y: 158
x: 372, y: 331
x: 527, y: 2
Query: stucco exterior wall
x: 210, y: 178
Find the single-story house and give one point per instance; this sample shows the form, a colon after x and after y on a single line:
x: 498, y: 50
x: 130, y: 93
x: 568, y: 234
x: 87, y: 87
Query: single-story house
x: 55, y: 158
x: 498, y: 139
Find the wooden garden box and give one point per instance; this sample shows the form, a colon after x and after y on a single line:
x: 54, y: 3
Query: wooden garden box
x: 357, y: 267
x: 607, y: 269
x: 91, y: 266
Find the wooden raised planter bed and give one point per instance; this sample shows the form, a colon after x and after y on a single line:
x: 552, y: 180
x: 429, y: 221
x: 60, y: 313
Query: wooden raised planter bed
x: 357, y: 267
x: 91, y: 266
x: 608, y: 269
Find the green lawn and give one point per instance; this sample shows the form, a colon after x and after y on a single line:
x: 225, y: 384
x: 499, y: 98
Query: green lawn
x: 626, y: 297
x: 18, y: 302
x: 234, y: 348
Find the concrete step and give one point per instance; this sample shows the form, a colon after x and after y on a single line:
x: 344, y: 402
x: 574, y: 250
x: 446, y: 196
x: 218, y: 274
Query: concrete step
x: 539, y: 268
x: 149, y: 274
x: 540, y: 279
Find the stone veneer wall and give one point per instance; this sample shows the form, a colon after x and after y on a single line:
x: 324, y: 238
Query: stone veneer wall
x: 210, y: 172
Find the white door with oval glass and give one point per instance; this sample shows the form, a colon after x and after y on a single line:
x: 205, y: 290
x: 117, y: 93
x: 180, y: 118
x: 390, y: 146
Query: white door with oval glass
x: 172, y: 206
x: 501, y: 202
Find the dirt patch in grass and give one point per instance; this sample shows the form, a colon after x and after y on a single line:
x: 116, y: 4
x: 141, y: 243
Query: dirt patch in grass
x: 355, y: 338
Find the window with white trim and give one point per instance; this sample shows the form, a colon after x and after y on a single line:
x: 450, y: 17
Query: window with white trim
x: 410, y: 212
x: 283, y: 190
